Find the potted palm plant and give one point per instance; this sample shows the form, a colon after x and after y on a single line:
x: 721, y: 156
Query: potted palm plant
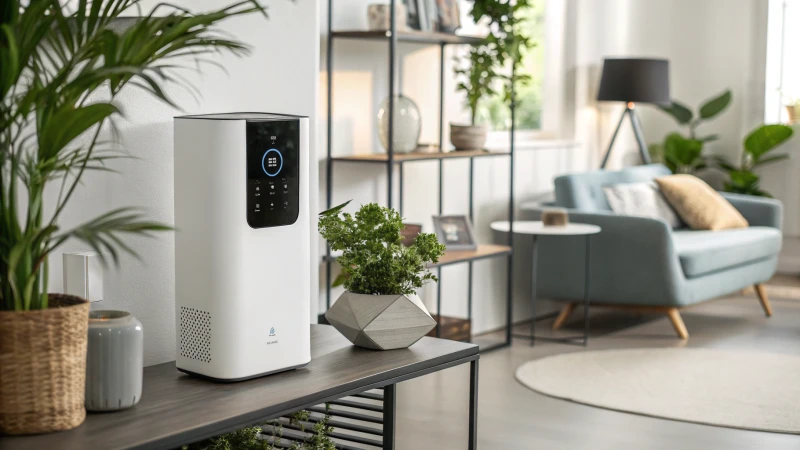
x: 478, y: 74
x: 60, y: 70
x: 380, y: 308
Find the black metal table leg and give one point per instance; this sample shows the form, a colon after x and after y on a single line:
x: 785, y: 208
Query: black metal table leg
x: 533, y: 288
x: 586, y: 273
x: 389, y: 418
x: 473, y: 405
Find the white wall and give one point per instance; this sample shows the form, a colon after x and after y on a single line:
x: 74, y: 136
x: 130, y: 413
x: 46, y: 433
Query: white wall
x: 712, y: 45
x: 281, y: 75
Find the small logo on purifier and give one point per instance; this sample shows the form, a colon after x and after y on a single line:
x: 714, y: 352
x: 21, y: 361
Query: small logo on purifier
x: 272, y: 331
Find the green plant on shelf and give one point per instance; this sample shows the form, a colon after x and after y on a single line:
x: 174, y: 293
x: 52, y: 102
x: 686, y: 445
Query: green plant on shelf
x: 374, y: 260
x: 61, y: 68
x: 742, y: 177
x: 501, y: 51
x: 254, y: 438
x: 684, y: 154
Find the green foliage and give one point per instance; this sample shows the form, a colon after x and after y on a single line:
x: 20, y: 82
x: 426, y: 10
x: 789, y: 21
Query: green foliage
x: 708, y: 110
x: 476, y: 78
x: 374, y: 260
x: 252, y: 438
x: 742, y: 178
x: 684, y: 154
x: 60, y: 72
x: 502, y: 49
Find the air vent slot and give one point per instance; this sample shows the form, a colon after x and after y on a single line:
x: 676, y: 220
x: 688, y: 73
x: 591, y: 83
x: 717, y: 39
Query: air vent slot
x: 195, y: 334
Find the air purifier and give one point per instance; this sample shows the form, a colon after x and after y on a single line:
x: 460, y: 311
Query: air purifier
x: 242, y: 244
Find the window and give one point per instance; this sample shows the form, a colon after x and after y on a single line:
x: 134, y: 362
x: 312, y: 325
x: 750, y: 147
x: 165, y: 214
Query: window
x: 783, y: 66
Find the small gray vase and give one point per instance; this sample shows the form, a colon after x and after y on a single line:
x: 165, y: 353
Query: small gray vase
x: 114, y: 361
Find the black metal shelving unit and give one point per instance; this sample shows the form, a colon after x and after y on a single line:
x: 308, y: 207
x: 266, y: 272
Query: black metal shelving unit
x: 391, y: 38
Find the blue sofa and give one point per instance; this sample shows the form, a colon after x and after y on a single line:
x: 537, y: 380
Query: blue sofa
x: 641, y: 263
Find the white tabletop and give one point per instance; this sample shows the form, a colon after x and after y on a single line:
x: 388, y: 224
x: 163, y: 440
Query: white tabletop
x: 538, y: 228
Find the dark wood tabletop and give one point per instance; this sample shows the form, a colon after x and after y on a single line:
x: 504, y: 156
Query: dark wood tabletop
x: 177, y: 409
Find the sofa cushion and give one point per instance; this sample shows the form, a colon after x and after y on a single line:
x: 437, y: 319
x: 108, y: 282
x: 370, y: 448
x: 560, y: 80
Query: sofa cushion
x: 704, y: 252
x: 641, y: 200
x: 698, y: 204
x: 584, y: 191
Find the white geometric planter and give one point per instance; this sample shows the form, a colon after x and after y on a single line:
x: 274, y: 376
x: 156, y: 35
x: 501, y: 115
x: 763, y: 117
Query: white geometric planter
x: 380, y: 322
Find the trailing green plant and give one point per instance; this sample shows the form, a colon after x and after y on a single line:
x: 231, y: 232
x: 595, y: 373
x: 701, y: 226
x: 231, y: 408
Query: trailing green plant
x: 254, y: 438
x: 684, y: 154
x: 374, y: 260
x: 742, y: 177
x: 502, y: 49
x: 61, y: 68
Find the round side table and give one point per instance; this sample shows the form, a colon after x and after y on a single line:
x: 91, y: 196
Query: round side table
x: 536, y: 229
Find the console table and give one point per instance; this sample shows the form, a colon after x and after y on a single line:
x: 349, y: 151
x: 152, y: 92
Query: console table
x: 178, y: 409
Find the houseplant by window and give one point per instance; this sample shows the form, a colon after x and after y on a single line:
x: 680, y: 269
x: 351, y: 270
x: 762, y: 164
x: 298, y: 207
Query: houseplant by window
x: 684, y: 154
x: 481, y: 71
x: 742, y: 177
x: 380, y: 308
x: 60, y: 71
x: 792, y: 105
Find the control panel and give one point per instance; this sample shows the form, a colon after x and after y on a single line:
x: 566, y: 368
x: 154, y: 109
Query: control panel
x: 273, y: 158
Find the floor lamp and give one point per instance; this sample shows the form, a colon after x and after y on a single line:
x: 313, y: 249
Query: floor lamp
x: 633, y: 80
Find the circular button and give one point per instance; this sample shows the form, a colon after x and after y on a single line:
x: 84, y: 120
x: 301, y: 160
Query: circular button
x: 272, y: 162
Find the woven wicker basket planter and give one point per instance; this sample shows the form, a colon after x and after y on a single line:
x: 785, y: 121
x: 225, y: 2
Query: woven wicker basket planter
x: 43, y: 367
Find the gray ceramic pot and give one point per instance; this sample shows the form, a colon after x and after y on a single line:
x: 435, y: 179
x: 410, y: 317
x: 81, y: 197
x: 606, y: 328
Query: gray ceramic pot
x: 113, y: 361
x: 468, y: 137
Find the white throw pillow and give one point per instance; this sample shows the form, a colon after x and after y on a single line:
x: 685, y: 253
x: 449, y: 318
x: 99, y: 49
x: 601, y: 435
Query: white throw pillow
x: 641, y: 200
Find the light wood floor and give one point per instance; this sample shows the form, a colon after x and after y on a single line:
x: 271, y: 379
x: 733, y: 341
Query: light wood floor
x: 432, y: 411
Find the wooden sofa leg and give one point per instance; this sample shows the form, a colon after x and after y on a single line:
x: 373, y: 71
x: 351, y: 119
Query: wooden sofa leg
x: 761, y: 291
x: 563, y: 315
x: 677, y: 323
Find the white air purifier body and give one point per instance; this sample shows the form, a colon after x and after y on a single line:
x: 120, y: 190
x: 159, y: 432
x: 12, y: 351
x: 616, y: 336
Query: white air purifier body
x: 242, y: 250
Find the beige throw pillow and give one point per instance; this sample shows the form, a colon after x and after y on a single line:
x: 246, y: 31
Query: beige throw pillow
x: 698, y: 204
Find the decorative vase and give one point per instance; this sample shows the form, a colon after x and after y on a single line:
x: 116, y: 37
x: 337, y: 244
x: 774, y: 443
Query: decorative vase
x: 407, y: 124
x: 468, y: 137
x: 42, y: 366
x: 794, y: 113
x: 114, y: 361
x: 379, y: 17
x: 380, y: 322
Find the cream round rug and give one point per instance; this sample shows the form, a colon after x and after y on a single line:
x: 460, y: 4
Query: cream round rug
x: 752, y: 391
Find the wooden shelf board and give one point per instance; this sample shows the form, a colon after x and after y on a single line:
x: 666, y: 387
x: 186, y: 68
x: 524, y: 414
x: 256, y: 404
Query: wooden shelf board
x: 428, y: 37
x: 404, y: 157
x: 457, y: 256
x: 483, y: 251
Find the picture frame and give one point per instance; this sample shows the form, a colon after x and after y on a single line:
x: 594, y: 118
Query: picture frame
x: 410, y: 232
x: 448, y: 16
x: 455, y: 232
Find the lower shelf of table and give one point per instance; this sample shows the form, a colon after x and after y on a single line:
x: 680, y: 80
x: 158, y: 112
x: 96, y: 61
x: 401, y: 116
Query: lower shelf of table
x: 357, y: 423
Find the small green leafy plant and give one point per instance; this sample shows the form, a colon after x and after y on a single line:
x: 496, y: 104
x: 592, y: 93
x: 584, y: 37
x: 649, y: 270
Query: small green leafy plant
x: 684, y: 154
x: 742, y: 178
x: 374, y: 260
x: 254, y: 438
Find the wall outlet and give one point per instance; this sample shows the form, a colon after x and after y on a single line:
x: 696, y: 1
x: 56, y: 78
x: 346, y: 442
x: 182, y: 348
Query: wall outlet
x: 83, y: 275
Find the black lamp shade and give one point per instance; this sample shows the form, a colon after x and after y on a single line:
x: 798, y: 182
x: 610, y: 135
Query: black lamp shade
x: 635, y: 80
